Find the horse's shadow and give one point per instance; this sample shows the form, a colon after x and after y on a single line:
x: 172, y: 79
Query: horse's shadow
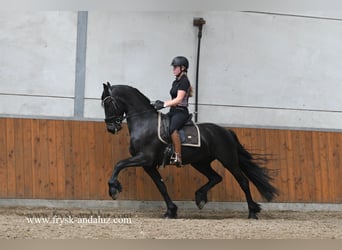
x: 198, y: 215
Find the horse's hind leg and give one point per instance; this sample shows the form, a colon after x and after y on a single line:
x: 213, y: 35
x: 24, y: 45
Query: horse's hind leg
x: 171, y: 211
x: 227, y: 153
x: 233, y: 167
x: 213, y: 177
x: 253, y: 207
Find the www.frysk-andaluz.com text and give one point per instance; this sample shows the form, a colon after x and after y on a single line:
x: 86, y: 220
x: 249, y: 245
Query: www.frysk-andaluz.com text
x: 84, y: 219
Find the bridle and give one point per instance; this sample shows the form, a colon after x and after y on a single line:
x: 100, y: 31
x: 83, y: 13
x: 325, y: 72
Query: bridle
x: 116, y: 120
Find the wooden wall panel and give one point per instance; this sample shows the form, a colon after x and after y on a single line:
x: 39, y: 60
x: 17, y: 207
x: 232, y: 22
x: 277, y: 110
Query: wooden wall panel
x: 18, y: 153
x: 11, y: 168
x: 337, y: 157
x: 3, y: 158
x: 56, y: 159
x: 60, y: 159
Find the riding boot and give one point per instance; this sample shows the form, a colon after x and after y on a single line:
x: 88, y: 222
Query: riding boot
x: 176, y: 159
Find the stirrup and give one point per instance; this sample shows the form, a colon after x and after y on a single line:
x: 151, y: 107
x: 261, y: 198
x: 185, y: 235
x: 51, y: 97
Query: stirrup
x: 175, y: 159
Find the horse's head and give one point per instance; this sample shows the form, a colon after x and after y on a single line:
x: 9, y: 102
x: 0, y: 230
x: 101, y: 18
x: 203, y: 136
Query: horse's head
x: 113, y: 112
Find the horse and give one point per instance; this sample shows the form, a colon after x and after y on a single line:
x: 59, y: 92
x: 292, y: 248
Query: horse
x: 125, y: 102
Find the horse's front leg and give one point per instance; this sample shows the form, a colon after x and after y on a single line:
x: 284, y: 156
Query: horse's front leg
x: 113, y: 183
x: 171, y: 211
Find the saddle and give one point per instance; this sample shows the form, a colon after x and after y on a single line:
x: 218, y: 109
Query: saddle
x: 189, y: 135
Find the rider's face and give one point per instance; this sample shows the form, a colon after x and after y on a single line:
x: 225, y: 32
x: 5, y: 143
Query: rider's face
x: 176, y: 70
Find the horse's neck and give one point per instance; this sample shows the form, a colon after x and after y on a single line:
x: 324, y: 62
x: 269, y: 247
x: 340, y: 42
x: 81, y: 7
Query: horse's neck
x: 137, y: 109
x: 137, y: 121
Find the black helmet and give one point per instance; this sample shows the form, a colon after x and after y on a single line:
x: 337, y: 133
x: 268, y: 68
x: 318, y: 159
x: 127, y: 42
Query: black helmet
x: 180, y: 61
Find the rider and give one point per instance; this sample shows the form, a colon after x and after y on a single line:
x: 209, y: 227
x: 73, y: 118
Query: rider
x: 179, y: 113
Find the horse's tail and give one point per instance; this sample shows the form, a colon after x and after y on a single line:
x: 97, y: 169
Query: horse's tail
x: 256, y: 174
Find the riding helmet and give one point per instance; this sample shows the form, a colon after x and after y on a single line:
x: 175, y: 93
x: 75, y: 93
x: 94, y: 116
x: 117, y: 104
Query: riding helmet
x: 180, y: 61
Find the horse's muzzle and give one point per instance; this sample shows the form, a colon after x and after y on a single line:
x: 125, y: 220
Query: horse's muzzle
x: 113, y: 124
x: 113, y: 127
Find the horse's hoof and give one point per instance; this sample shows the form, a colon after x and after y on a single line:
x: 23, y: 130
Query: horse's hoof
x: 114, y: 189
x: 201, y: 199
x: 253, y: 216
x: 114, y: 193
x: 201, y: 204
x: 114, y: 197
x: 171, y: 213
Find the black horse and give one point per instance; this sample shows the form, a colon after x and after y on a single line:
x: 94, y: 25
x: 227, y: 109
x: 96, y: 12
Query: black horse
x: 124, y: 102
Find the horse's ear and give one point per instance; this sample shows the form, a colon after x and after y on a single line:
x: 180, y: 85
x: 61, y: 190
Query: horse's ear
x: 109, y: 88
x: 105, y: 87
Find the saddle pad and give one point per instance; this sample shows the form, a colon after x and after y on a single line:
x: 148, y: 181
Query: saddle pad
x: 190, y: 133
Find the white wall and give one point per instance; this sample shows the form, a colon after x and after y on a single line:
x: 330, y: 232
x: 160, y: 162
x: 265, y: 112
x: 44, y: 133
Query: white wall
x: 37, y: 63
x: 258, y: 70
x: 271, y: 70
x: 136, y: 48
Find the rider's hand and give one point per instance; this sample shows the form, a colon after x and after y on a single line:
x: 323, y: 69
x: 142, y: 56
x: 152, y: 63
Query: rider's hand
x: 158, y: 105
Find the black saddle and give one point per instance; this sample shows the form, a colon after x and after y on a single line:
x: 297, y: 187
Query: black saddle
x: 189, y: 134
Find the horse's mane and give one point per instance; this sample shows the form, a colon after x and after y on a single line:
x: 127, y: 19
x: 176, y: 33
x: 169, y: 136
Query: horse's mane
x: 124, y: 90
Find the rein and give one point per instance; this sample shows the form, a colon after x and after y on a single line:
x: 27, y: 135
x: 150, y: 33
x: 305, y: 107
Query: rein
x: 121, y: 118
x: 137, y: 113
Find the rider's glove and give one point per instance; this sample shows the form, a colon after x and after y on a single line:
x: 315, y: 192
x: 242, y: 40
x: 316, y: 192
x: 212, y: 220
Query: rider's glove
x: 158, y: 105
